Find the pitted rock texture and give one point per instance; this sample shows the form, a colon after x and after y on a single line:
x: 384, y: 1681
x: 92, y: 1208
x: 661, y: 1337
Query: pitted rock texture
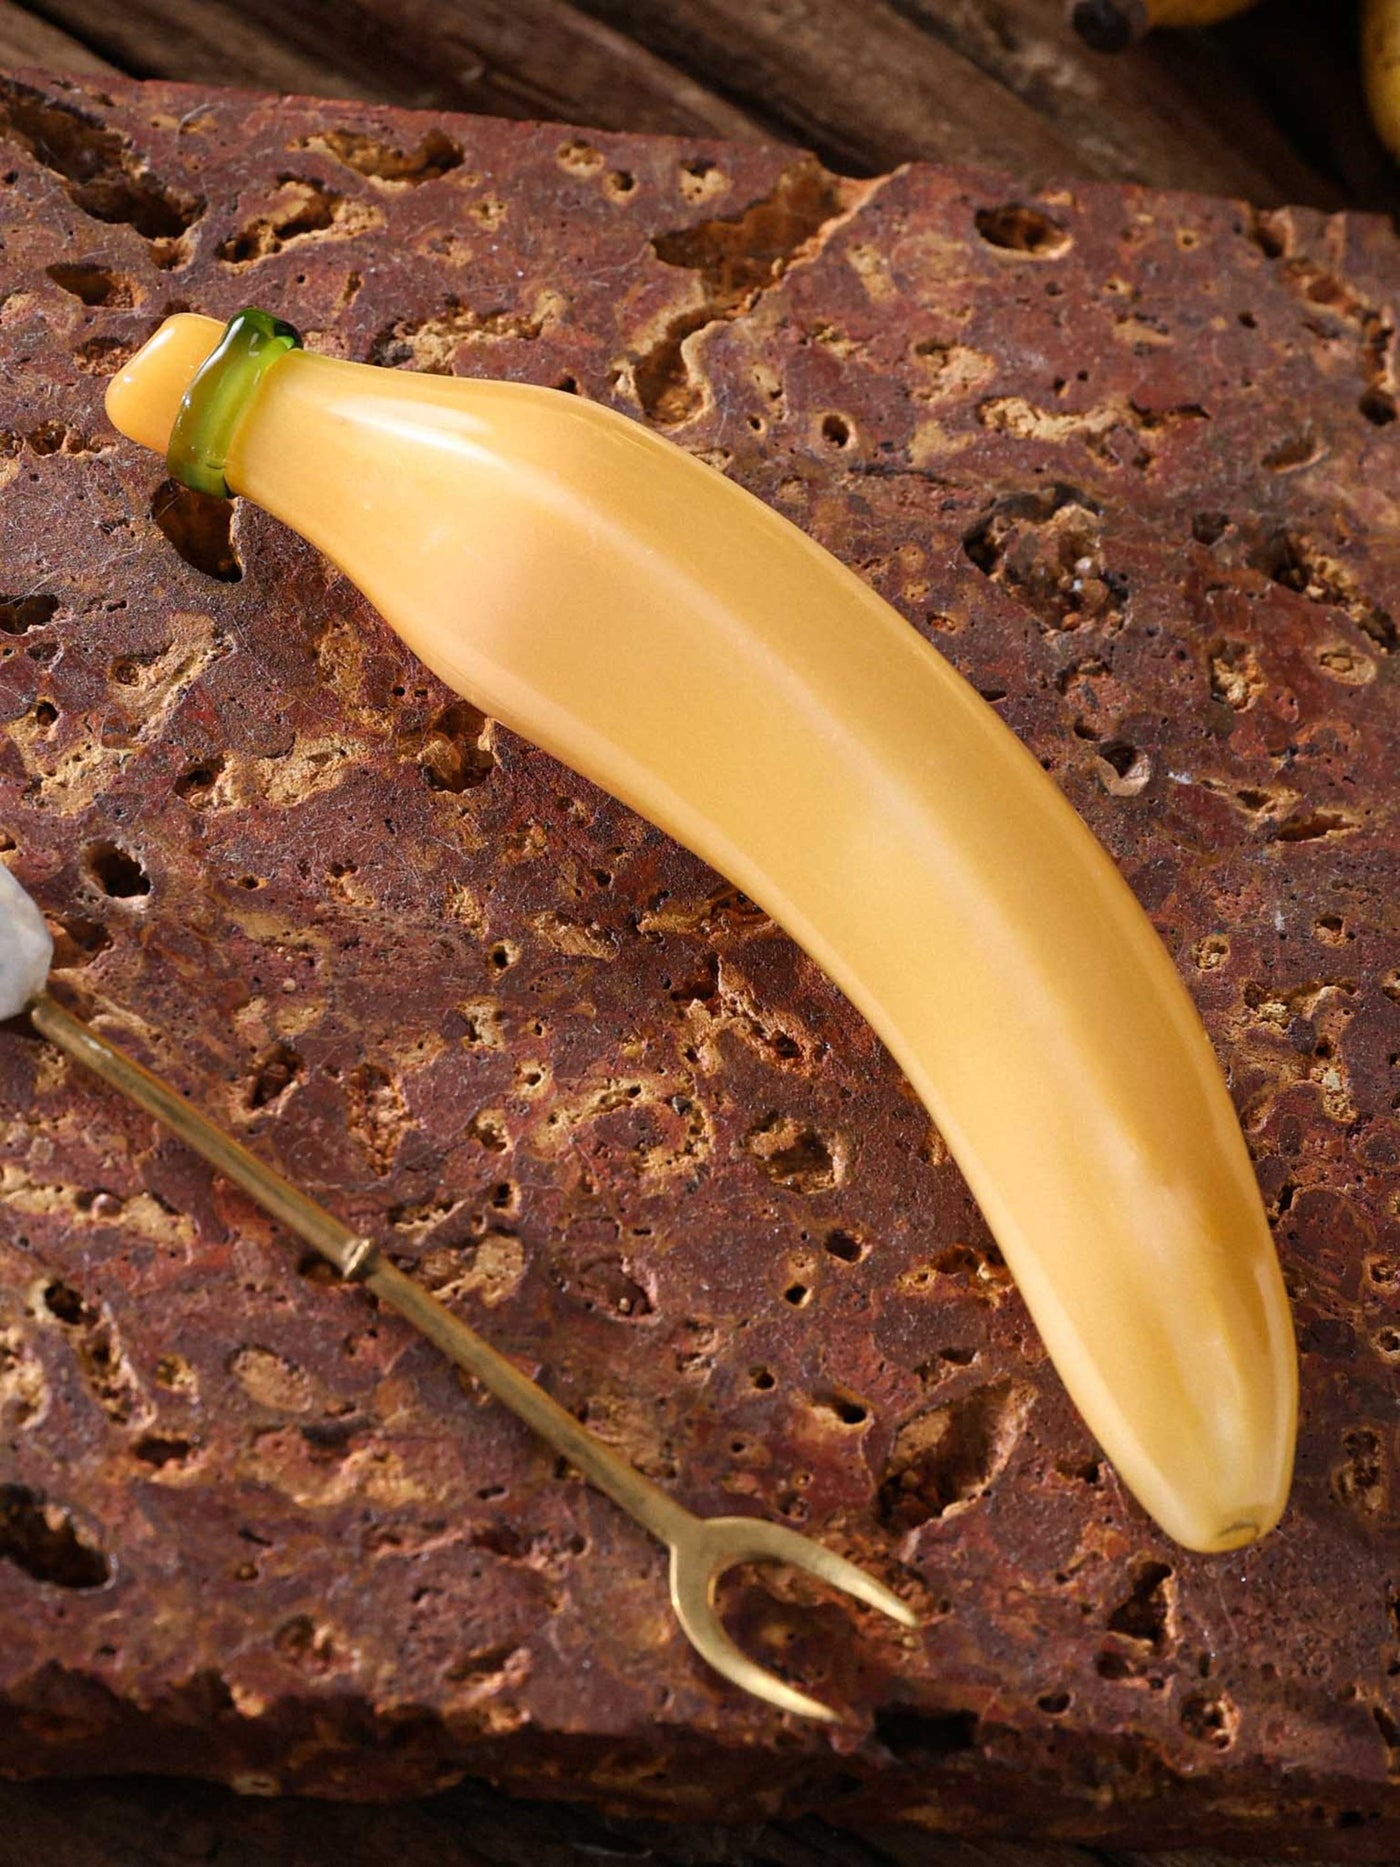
x: 1130, y: 461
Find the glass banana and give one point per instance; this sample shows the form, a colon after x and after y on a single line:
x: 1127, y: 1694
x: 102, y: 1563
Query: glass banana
x: 666, y: 634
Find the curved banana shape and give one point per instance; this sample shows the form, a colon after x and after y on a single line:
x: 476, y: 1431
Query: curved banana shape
x: 660, y: 630
x: 1380, y: 67
x: 1110, y: 25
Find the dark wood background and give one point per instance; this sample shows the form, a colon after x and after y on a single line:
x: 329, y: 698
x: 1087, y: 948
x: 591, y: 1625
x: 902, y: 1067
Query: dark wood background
x: 1268, y: 106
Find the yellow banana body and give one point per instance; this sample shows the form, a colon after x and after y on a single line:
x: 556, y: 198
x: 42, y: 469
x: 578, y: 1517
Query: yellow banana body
x: 1112, y: 25
x: 660, y: 630
x: 1194, y: 12
x: 1380, y: 67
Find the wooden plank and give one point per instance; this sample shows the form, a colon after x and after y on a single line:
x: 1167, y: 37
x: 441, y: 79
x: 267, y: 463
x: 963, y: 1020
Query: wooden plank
x: 866, y: 85
x: 149, y: 1823
x: 519, y: 58
x: 1181, y: 110
x: 851, y: 78
x: 28, y: 40
x: 539, y: 58
x: 213, y: 43
x: 1303, y: 58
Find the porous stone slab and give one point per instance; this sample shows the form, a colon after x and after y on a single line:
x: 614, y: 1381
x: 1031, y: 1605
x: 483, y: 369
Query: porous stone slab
x: 1130, y: 461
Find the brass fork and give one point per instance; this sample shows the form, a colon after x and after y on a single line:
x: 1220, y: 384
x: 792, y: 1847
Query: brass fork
x: 702, y: 1548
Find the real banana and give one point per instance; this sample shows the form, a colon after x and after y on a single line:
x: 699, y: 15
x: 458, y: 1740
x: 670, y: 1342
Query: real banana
x: 1110, y: 25
x: 1380, y: 67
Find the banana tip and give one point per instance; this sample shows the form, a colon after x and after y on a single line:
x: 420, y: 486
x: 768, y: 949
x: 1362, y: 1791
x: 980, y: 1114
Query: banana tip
x: 144, y: 395
x: 1109, y: 25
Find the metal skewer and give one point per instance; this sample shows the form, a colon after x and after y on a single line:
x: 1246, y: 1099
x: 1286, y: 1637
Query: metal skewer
x: 702, y: 1549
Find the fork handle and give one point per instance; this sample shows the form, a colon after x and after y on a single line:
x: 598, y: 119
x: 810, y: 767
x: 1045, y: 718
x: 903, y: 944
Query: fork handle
x: 357, y: 1257
x: 607, y: 1470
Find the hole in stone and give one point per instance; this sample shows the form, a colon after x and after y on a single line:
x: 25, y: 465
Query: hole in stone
x: 62, y: 1300
x: 948, y: 1457
x: 604, y: 1284
x: 435, y: 156
x: 20, y: 614
x: 95, y: 285
x: 735, y: 259
x: 1114, y: 1666
x: 1211, y: 1721
x: 196, y: 784
x: 793, y: 1155
x: 43, y: 1540
x: 498, y: 1662
x: 1378, y: 406
x: 1295, y: 450
x: 77, y: 941
x: 1048, y: 548
x: 1270, y: 230
x: 1315, y: 824
x: 160, y: 1449
x: 198, y: 526
x: 836, y: 430
x: 453, y: 757
x: 1054, y: 1703
x: 923, y: 1736
x: 302, y: 208
x: 1362, y: 1482
x: 846, y: 1408
x: 48, y: 437
x: 981, y: 1268
x: 101, y: 173
x: 276, y: 1073
x: 763, y: 1379
x: 116, y: 873
x: 1208, y: 528
x: 489, y: 1130
x: 129, y: 670
x: 103, y: 356
x: 843, y: 1245
x: 1145, y: 1613
x: 174, y: 1372
x: 1015, y: 228
x: 1316, y: 572
x: 798, y: 1295
x: 1120, y: 755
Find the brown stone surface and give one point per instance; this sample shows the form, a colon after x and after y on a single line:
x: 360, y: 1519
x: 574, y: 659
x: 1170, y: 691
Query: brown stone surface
x: 1130, y: 460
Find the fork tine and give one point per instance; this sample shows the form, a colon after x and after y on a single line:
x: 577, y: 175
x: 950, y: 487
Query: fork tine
x: 693, y: 1578
x: 752, y: 1539
x: 706, y: 1547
